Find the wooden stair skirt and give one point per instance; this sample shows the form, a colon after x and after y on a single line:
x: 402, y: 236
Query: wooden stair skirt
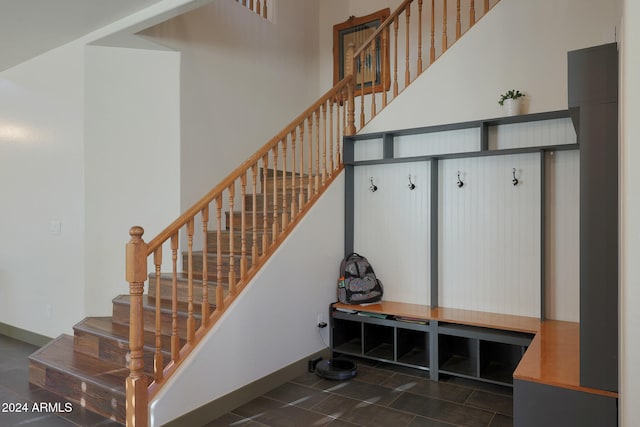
x: 90, y: 367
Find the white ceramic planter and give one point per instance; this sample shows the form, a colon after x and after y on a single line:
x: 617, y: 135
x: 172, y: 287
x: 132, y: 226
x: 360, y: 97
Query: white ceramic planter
x: 514, y: 106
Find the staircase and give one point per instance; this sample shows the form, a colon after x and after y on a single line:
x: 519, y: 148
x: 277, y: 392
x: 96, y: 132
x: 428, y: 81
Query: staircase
x: 90, y: 368
x: 115, y: 365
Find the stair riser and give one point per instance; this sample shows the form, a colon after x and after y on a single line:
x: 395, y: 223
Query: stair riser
x: 166, y: 289
x: 260, y: 200
x: 269, y: 186
x: 121, y: 316
x: 212, y: 243
x: 212, y: 266
x: 237, y: 220
x: 112, y: 350
x: 101, y: 400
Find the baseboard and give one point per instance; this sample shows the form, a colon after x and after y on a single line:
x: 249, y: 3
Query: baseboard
x: 23, y: 335
x: 215, y: 409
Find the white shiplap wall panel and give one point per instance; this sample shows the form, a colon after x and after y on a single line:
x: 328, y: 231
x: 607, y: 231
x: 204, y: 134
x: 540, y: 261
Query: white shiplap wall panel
x: 391, y: 228
x: 563, y: 236
x: 490, y: 235
x: 368, y: 149
x: 453, y: 141
x: 529, y: 134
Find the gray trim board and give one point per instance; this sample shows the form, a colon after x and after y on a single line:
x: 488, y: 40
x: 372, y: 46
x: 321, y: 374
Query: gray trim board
x: 349, y: 202
x: 543, y: 234
x: 23, y: 335
x: 434, y: 233
x: 536, y: 405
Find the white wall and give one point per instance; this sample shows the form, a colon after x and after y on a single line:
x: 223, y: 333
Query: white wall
x: 630, y: 212
x: 244, y: 79
x: 42, y: 172
x: 273, y: 322
x: 503, y: 52
x: 132, y: 159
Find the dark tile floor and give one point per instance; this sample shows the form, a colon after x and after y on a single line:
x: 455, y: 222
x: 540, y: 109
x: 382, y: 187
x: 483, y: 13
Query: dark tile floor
x: 17, y: 394
x: 381, y: 395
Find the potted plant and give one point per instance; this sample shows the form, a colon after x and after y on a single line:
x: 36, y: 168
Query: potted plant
x: 513, y: 102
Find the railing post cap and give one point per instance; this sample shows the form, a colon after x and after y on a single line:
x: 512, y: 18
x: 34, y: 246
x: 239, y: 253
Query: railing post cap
x: 136, y: 232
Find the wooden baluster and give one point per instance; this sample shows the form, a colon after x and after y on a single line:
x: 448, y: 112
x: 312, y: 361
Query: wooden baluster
x: 136, y: 384
x: 251, y: 4
x: 383, y: 67
x: 243, y: 226
x: 205, y: 265
x: 486, y: 6
x: 407, y: 72
x: 362, y: 89
x: 432, y: 52
x: 274, y: 225
x: 175, y: 339
x: 265, y: 224
x: 458, y: 26
x: 374, y: 69
x: 254, y: 208
x: 350, y: 123
x: 301, y: 192
x: 310, y: 166
x: 191, y: 324
x: 294, y: 202
x: 285, y: 214
x: 395, y: 57
x: 244, y: 2
x: 264, y: 10
x: 338, y: 152
x: 445, y: 44
x: 332, y: 158
x: 324, y: 142
x: 472, y: 14
x: 317, y: 176
x: 158, y: 362
x: 232, y: 262
x: 219, y: 288
x: 419, y: 37
x: 258, y: 8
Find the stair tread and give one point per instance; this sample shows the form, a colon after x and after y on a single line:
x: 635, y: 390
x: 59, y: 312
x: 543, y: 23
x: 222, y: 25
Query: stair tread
x: 182, y: 278
x: 104, y: 327
x: 59, y: 354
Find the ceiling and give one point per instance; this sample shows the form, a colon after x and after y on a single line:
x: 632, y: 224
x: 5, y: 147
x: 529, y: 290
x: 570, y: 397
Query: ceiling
x: 31, y: 27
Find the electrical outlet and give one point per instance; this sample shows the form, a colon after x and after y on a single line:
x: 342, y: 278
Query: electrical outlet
x: 320, y: 321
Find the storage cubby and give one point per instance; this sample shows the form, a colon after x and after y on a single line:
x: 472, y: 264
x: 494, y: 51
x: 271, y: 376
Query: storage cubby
x: 346, y: 337
x: 458, y: 355
x: 412, y: 347
x: 378, y: 341
x: 499, y: 360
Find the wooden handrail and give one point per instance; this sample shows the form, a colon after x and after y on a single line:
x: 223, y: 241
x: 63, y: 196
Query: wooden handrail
x: 225, y: 183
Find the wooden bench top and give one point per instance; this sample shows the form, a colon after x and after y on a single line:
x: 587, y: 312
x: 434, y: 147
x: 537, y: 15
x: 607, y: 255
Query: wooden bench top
x: 553, y: 358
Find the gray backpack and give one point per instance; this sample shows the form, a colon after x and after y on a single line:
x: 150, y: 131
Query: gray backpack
x: 358, y: 283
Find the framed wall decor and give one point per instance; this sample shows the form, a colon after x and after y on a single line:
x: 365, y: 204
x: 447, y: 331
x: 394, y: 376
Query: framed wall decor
x: 358, y: 30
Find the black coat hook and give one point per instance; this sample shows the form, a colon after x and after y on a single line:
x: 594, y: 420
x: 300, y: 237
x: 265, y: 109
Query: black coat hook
x: 412, y: 186
x: 372, y: 187
x: 460, y: 184
x: 515, y: 180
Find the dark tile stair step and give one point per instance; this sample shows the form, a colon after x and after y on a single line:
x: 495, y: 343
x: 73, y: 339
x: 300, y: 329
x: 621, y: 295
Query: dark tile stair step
x: 121, y: 307
x: 225, y: 235
x: 95, y: 384
x: 260, y: 200
x: 166, y: 287
x: 99, y: 337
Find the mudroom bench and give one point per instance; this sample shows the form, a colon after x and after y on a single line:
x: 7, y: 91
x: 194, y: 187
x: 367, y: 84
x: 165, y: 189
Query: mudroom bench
x: 541, y: 360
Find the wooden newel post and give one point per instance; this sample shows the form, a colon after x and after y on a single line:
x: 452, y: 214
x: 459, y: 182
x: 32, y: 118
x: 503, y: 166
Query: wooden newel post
x: 136, y: 273
x: 351, y: 111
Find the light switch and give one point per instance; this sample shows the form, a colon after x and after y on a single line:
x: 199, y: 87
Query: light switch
x: 55, y: 226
